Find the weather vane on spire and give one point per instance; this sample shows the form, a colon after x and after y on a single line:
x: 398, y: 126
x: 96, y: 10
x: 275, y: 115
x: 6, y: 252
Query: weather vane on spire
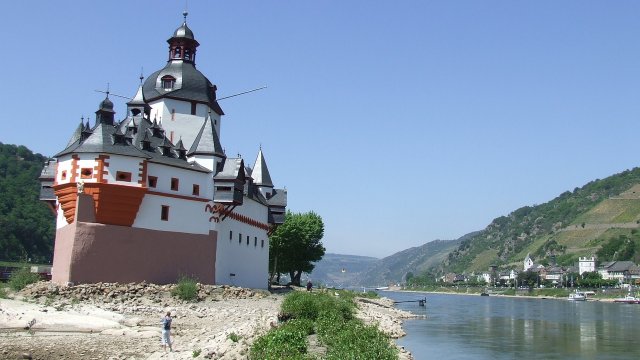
x: 186, y: 10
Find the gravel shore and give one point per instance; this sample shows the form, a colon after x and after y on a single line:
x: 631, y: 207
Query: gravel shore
x: 113, y: 321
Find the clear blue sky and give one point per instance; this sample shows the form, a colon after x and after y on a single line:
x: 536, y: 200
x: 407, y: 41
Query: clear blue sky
x: 399, y: 122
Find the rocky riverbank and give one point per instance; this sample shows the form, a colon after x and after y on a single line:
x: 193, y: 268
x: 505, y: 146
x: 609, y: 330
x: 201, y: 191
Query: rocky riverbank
x: 122, y: 321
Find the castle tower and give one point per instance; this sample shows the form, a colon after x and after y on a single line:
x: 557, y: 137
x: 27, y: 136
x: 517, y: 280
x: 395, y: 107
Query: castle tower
x: 586, y: 264
x: 179, y: 95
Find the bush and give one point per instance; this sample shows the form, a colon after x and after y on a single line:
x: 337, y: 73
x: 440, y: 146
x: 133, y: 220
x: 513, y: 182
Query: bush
x: 21, y: 278
x: 288, y: 342
x: 233, y: 337
x: 305, y: 305
x: 3, y: 292
x: 186, y: 289
x: 195, y: 353
x: 332, y: 318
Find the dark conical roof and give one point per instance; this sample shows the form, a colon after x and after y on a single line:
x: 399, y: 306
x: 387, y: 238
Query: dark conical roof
x: 77, y: 134
x: 260, y: 173
x: 106, y: 104
x: 207, y: 142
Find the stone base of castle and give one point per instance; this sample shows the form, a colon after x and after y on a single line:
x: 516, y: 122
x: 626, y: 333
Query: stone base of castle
x: 90, y: 252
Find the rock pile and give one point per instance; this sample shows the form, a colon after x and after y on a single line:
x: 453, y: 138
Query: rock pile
x: 130, y: 295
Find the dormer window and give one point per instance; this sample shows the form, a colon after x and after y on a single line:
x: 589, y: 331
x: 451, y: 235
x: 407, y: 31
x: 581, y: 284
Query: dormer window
x: 168, y: 82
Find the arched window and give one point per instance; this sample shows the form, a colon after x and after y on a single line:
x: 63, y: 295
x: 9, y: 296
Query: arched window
x: 177, y: 53
x: 168, y: 82
x: 187, y: 54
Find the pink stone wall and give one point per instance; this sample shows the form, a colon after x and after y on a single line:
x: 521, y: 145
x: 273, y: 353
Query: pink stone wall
x: 90, y: 252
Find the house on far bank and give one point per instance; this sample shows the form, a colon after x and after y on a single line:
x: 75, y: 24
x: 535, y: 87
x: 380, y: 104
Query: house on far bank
x: 623, y: 271
x: 530, y: 265
x: 586, y: 264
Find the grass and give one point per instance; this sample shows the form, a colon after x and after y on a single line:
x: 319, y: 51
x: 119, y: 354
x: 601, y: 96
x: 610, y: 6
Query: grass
x: 186, y: 289
x: 3, y: 292
x: 482, y: 261
x: 21, y: 278
x: 195, y: 353
x: 332, y: 319
x: 234, y: 337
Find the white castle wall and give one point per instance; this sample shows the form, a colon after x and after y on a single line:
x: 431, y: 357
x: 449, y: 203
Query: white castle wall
x: 210, y: 162
x: 124, y: 164
x: 586, y: 265
x: 249, y: 263
x: 186, y: 216
x: 183, y: 125
x: 186, y: 213
x: 186, y: 180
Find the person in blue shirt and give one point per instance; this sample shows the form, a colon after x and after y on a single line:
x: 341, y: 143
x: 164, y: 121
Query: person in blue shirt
x: 166, y: 331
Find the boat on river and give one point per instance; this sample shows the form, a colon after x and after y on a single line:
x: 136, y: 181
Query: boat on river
x: 629, y: 299
x: 577, y: 296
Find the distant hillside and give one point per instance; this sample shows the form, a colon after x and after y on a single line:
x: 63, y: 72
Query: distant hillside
x: 416, y: 260
x: 328, y: 271
x: 26, y: 224
x: 602, y: 213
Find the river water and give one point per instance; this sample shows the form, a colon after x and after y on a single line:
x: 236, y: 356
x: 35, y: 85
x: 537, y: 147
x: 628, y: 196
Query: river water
x: 480, y: 327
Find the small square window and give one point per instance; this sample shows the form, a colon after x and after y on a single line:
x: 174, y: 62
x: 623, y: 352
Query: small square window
x: 123, y: 176
x: 168, y: 82
x: 153, y: 181
x: 196, y: 189
x: 86, y: 173
x: 174, y: 184
x: 164, y: 213
x: 63, y: 176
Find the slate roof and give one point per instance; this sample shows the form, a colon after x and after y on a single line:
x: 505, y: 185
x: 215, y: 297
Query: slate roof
x: 207, y: 141
x: 618, y: 266
x: 260, y: 173
x: 278, y: 198
x: 76, y: 134
x: 231, y: 169
x: 190, y: 85
x: 127, y: 139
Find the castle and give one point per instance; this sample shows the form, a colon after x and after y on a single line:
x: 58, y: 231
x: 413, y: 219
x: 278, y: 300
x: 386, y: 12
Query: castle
x: 154, y: 197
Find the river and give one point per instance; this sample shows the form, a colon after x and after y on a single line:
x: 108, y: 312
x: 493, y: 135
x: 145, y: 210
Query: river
x: 494, y: 327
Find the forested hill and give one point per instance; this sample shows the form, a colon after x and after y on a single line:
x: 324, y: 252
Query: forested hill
x: 26, y: 224
x: 596, y: 217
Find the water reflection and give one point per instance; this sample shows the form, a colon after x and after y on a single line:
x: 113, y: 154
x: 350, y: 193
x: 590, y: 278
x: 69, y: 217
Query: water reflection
x: 466, y: 327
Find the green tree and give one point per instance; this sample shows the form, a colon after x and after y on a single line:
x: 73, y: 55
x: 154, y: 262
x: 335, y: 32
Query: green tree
x: 590, y: 279
x: 26, y: 224
x: 296, y: 244
x: 528, y: 278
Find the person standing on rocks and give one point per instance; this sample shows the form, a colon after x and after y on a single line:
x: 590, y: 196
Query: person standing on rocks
x: 166, y: 331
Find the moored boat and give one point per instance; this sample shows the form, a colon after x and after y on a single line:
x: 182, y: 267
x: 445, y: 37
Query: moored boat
x: 629, y: 299
x: 577, y: 296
